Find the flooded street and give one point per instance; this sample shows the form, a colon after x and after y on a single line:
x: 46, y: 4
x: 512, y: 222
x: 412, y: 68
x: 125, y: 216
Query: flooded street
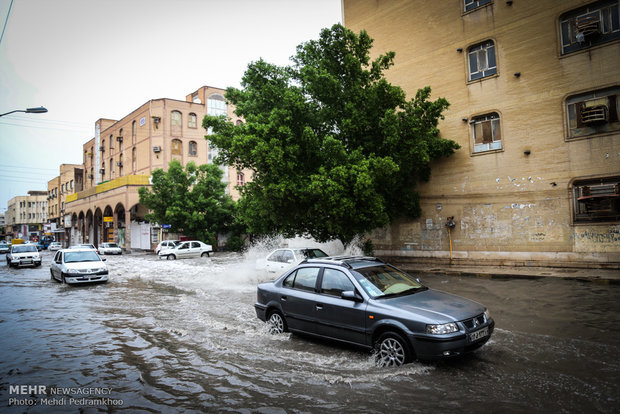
x: 182, y: 336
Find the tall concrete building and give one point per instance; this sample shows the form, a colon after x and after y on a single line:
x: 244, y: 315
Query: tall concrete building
x: 26, y: 215
x: 119, y: 160
x: 68, y: 182
x: 534, y: 92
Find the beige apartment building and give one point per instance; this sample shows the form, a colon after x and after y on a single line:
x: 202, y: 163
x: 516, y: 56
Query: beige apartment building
x: 26, y: 215
x: 68, y: 182
x: 119, y: 160
x: 534, y: 92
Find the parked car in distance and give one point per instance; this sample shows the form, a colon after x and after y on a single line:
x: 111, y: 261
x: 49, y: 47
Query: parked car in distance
x: 281, y: 260
x: 54, y: 246
x: 78, y: 266
x: 23, y: 255
x: 4, y: 247
x: 192, y: 248
x: 363, y: 301
x: 109, y: 248
x: 84, y: 246
x: 166, y: 244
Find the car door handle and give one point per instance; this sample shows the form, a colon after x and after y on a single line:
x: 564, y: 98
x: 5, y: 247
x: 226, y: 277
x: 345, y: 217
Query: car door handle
x: 283, y: 298
x: 319, y: 306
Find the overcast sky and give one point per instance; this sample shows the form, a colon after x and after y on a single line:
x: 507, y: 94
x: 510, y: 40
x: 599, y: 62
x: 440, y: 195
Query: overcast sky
x: 90, y: 59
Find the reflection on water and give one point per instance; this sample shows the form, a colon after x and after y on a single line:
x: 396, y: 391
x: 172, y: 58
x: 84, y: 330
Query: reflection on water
x: 183, y: 336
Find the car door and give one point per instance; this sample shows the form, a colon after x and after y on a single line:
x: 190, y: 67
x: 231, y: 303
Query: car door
x: 56, y: 265
x: 273, y: 264
x: 298, y: 299
x: 183, y: 250
x: 339, y: 318
x: 195, y: 249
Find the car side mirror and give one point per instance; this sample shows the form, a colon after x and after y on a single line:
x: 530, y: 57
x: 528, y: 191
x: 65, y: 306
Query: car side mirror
x: 289, y: 261
x: 351, y: 295
x: 103, y: 259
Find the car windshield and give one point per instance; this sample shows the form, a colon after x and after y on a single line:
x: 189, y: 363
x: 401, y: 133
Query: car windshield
x: 111, y: 245
x: 89, y: 256
x: 386, y: 281
x: 313, y: 253
x: 24, y: 248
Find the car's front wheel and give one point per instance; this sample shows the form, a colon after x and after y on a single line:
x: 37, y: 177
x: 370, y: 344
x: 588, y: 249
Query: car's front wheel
x: 276, y: 322
x: 171, y: 257
x: 392, y: 350
x: 204, y: 254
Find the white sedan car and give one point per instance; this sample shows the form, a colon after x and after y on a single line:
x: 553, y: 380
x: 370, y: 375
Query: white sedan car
x: 54, y: 246
x: 109, y: 248
x: 77, y: 266
x: 192, y: 248
x: 280, y: 260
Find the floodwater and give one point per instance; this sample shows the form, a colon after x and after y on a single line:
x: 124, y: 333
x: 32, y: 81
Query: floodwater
x: 182, y: 336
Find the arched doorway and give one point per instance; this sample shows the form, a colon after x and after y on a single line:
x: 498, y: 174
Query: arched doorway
x: 121, y: 231
x: 108, y: 225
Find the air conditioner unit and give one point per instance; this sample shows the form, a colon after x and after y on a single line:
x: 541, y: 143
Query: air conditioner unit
x: 157, y: 149
x: 119, y: 164
x: 102, y: 171
x: 595, y: 111
x: 90, y: 176
x: 102, y: 148
x: 119, y: 139
x: 587, y: 26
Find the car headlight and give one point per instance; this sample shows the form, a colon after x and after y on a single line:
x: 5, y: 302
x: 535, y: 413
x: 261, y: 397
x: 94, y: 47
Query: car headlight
x: 441, y: 329
x: 73, y: 271
x: 487, y: 315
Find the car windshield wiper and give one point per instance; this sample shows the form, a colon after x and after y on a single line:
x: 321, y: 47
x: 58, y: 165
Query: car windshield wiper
x: 409, y: 291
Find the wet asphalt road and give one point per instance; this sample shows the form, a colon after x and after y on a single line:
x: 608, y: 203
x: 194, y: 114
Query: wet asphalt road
x: 183, y: 337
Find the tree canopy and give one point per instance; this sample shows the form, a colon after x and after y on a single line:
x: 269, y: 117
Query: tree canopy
x: 335, y: 149
x: 192, y: 200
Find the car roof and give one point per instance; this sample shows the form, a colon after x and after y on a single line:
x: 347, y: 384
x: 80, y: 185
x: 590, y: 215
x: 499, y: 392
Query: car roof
x: 351, y: 262
x: 80, y: 249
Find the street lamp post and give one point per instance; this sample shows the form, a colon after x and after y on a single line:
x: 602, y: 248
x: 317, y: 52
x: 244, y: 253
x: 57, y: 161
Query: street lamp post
x: 37, y: 110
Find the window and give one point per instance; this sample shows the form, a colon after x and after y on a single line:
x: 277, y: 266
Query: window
x: 596, y: 200
x: 177, y: 147
x: 486, y: 132
x: 593, y: 112
x: 482, y: 61
x: 590, y: 25
x: 335, y: 282
x: 133, y: 159
x: 191, y: 120
x: 474, y: 4
x: 216, y: 105
x: 176, y: 123
x: 239, y: 122
x: 303, y: 279
x: 111, y: 168
x: 240, y: 179
x: 134, y: 132
x: 111, y: 141
x: 193, y: 148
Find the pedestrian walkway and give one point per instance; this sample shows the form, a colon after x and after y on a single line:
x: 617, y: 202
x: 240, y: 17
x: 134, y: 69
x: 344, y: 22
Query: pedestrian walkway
x: 606, y: 276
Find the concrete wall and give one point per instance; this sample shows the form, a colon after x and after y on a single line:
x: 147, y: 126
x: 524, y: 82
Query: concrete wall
x: 512, y: 205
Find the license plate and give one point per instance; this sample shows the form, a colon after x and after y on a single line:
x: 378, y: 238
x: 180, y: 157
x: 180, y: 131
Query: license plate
x: 474, y: 336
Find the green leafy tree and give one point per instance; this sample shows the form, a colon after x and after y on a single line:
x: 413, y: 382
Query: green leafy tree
x: 336, y: 150
x: 192, y: 200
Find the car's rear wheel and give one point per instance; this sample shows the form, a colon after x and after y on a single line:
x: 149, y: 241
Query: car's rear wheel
x: 204, y: 254
x: 392, y: 350
x: 276, y: 322
x: 171, y: 257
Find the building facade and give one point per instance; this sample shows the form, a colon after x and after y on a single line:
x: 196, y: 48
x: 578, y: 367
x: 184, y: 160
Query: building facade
x: 119, y: 160
x: 68, y: 182
x: 534, y: 92
x: 26, y: 215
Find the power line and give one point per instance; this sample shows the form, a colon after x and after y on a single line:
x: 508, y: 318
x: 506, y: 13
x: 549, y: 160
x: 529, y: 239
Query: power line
x: 6, y: 21
x: 27, y: 168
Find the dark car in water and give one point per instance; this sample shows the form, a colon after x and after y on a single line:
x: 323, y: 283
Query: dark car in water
x: 366, y: 302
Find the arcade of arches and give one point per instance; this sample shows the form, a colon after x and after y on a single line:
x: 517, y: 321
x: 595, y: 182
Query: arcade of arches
x: 112, y: 224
